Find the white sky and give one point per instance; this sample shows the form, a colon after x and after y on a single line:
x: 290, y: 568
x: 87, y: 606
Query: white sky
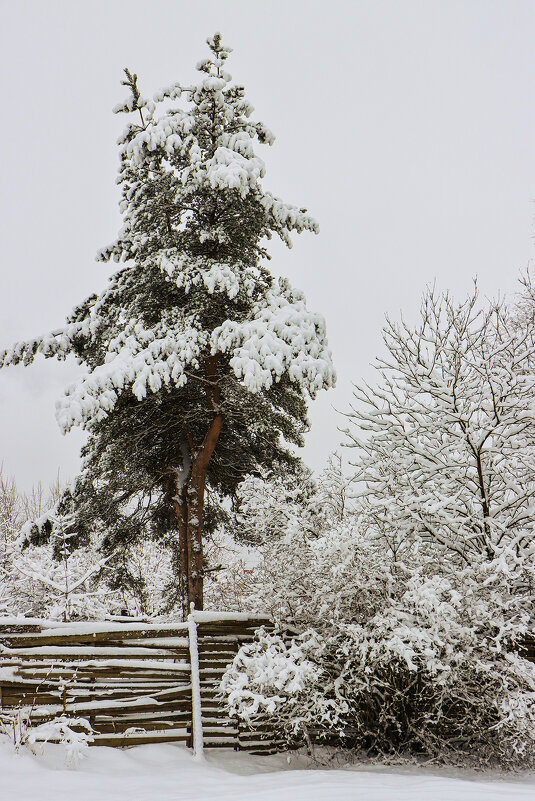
x: 407, y: 128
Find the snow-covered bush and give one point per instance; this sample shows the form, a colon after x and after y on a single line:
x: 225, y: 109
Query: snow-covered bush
x: 14, y: 726
x: 73, y: 734
x: 270, y: 672
x: 270, y: 682
x: 432, y: 673
x: 395, y: 658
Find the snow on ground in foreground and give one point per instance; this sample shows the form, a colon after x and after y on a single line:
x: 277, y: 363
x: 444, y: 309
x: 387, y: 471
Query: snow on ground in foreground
x: 169, y: 773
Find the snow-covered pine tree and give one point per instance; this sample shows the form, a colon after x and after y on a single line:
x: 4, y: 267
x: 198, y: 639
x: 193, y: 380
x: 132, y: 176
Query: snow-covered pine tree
x: 199, y: 362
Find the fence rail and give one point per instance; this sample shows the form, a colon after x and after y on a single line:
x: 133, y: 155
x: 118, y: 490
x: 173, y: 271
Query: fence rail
x: 136, y: 682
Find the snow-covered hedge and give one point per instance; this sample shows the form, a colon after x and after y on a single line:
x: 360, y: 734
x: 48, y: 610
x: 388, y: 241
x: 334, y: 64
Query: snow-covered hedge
x: 411, y: 659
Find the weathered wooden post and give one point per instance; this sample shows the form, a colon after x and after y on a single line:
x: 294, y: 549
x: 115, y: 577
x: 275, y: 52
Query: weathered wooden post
x: 197, y: 742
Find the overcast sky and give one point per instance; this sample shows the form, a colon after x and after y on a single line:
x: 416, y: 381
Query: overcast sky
x: 407, y: 128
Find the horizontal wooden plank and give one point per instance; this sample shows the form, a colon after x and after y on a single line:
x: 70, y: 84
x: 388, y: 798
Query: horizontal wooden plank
x: 87, y: 673
x: 137, y: 709
x: 88, y: 637
x: 102, y: 683
x: 220, y: 664
x: 77, y: 653
x: 40, y: 661
x: 147, y: 726
x: 172, y: 697
x: 261, y: 747
x: 141, y: 738
x: 213, y: 742
x: 77, y: 697
x: 164, y: 712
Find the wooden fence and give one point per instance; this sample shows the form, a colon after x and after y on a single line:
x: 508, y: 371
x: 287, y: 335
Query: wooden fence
x: 136, y: 682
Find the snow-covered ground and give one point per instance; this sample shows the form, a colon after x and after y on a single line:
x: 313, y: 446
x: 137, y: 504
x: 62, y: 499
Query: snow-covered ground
x: 169, y: 773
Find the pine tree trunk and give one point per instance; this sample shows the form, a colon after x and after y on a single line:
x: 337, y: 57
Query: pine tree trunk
x: 195, y: 532
x: 181, y: 510
x: 189, y: 499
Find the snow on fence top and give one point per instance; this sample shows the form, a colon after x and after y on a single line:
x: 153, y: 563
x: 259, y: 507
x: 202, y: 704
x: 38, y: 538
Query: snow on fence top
x: 214, y: 617
x: 125, y: 623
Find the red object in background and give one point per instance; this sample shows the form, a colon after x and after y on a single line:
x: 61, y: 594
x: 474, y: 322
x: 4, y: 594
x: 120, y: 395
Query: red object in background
x: 248, y: 571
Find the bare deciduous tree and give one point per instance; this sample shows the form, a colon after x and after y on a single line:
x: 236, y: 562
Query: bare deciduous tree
x: 445, y: 443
